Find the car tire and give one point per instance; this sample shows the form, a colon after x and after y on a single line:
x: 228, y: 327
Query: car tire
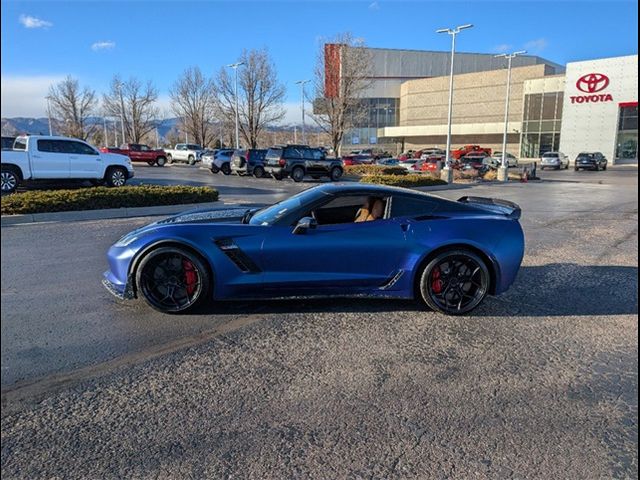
x: 116, y: 177
x: 471, y: 274
x: 9, y: 180
x: 169, y: 159
x: 160, y: 161
x: 335, y: 174
x: 605, y: 167
x: 214, y: 169
x: 186, y: 281
x: 258, y: 172
x: 297, y: 174
x: 226, y: 168
x: 191, y: 160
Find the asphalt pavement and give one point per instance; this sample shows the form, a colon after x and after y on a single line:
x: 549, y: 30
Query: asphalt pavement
x: 540, y: 382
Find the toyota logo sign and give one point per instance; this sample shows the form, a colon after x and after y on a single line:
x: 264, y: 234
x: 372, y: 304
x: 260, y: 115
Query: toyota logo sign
x: 592, y: 82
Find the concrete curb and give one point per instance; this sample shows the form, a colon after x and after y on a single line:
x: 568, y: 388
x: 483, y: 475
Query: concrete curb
x: 111, y: 213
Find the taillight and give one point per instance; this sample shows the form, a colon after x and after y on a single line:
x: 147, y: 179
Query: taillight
x: 282, y: 162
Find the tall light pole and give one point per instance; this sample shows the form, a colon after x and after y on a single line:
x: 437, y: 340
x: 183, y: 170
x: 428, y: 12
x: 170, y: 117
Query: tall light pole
x: 503, y: 176
x: 235, y: 68
x: 49, y: 116
x: 302, y: 83
x: 447, y: 172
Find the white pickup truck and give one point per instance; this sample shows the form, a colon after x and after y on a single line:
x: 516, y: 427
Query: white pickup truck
x: 184, y: 152
x: 50, y: 158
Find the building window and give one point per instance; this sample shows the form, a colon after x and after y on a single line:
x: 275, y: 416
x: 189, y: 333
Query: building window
x: 541, y: 122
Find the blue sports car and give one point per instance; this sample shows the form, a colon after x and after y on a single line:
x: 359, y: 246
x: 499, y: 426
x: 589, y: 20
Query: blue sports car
x: 346, y: 239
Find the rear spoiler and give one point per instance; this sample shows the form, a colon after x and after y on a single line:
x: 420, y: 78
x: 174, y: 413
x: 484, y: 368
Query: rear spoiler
x: 503, y: 207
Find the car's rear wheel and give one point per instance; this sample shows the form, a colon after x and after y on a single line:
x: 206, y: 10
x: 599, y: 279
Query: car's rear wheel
x: 214, y: 169
x: 258, y: 172
x: 336, y: 174
x: 169, y: 159
x: 116, y: 177
x: 191, y: 160
x: 172, y: 279
x: 297, y: 174
x: 9, y: 180
x: 226, y: 168
x: 160, y: 161
x: 455, y: 282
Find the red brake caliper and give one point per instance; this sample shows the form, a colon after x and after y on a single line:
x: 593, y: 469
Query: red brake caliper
x: 190, y: 277
x: 436, y: 283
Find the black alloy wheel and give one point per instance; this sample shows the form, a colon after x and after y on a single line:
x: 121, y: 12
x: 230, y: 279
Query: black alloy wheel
x: 172, y: 280
x: 455, y: 282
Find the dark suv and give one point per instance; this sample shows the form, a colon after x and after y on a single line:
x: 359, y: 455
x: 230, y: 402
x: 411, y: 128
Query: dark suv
x: 296, y: 161
x: 248, y: 162
x: 592, y: 161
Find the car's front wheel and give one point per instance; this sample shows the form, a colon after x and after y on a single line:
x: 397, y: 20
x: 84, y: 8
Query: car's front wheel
x: 226, y: 168
x: 160, y: 161
x: 336, y: 174
x: 191, y: 160
x: 169, y: 159
x: 172, y: 279
x: 455, y: 282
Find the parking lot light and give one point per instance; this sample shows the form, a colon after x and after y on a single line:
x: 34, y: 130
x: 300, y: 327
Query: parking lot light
x: 302, y: 83
x: 447, y: 172
x: 235, y: 68
x: 502, y: 171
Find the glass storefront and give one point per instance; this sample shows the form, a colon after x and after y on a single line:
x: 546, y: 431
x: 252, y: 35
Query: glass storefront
x: 380, y: 112
x: 627, y: 138
x: 542, y: 118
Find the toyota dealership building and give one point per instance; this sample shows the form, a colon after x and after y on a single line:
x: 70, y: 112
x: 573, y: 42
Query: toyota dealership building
x: 583, y: 106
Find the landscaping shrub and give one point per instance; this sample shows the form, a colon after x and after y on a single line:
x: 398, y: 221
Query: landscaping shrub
x: 412, y: 180
x: 40, y: 201
x: 374, y: 170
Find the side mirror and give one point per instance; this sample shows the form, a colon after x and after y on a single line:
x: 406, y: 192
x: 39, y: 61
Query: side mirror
x: 304, y: 224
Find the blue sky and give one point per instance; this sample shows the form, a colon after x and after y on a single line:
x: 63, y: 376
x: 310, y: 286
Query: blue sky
x: 92, y: 40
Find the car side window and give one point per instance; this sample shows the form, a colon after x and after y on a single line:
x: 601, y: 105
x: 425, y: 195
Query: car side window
x: 55, y: 146
x: 144, y: 148
x: 82, y: 149
x: 405, y: 206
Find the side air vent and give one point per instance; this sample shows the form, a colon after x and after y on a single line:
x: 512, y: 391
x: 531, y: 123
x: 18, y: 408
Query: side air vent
x: 236, y: 255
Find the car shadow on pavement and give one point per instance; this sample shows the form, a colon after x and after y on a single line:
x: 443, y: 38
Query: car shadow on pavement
x: 557, y: 289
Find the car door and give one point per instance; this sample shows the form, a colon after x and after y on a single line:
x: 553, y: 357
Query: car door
x: 135, y: 152
x: 85, y: 161
x: 50, y: 159
x: 342, y: 258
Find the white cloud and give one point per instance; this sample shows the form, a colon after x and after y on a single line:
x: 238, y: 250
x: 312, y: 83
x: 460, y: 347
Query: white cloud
x: 108, y: 45
x: 374, y: 6
x: 24, y: 96
x: 32, y: 22
x: 537, y: 45
x: 502, y: 48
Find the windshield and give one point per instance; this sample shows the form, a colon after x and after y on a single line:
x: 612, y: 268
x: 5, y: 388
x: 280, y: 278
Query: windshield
x: 550, y: 155
x: 270, y: 215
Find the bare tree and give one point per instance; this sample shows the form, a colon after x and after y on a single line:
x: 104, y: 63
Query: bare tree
x: 341, y: 77
x: 260, y: 95
x: 72, y: 107
x: 135, y: 104
x: 193, y: 101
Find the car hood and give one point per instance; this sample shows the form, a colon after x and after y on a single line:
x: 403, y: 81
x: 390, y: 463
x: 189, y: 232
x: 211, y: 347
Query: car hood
x: 227, y: 215
x: 116, y: 157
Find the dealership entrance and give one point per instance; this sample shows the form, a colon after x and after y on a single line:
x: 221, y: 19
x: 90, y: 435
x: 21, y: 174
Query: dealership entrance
x: 627, y: 136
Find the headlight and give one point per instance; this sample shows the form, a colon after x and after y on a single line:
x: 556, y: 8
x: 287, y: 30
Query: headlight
x: 127, y: 240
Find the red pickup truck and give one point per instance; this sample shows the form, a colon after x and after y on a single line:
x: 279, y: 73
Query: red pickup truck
x: 138, y: 152
x: 462, y: 151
